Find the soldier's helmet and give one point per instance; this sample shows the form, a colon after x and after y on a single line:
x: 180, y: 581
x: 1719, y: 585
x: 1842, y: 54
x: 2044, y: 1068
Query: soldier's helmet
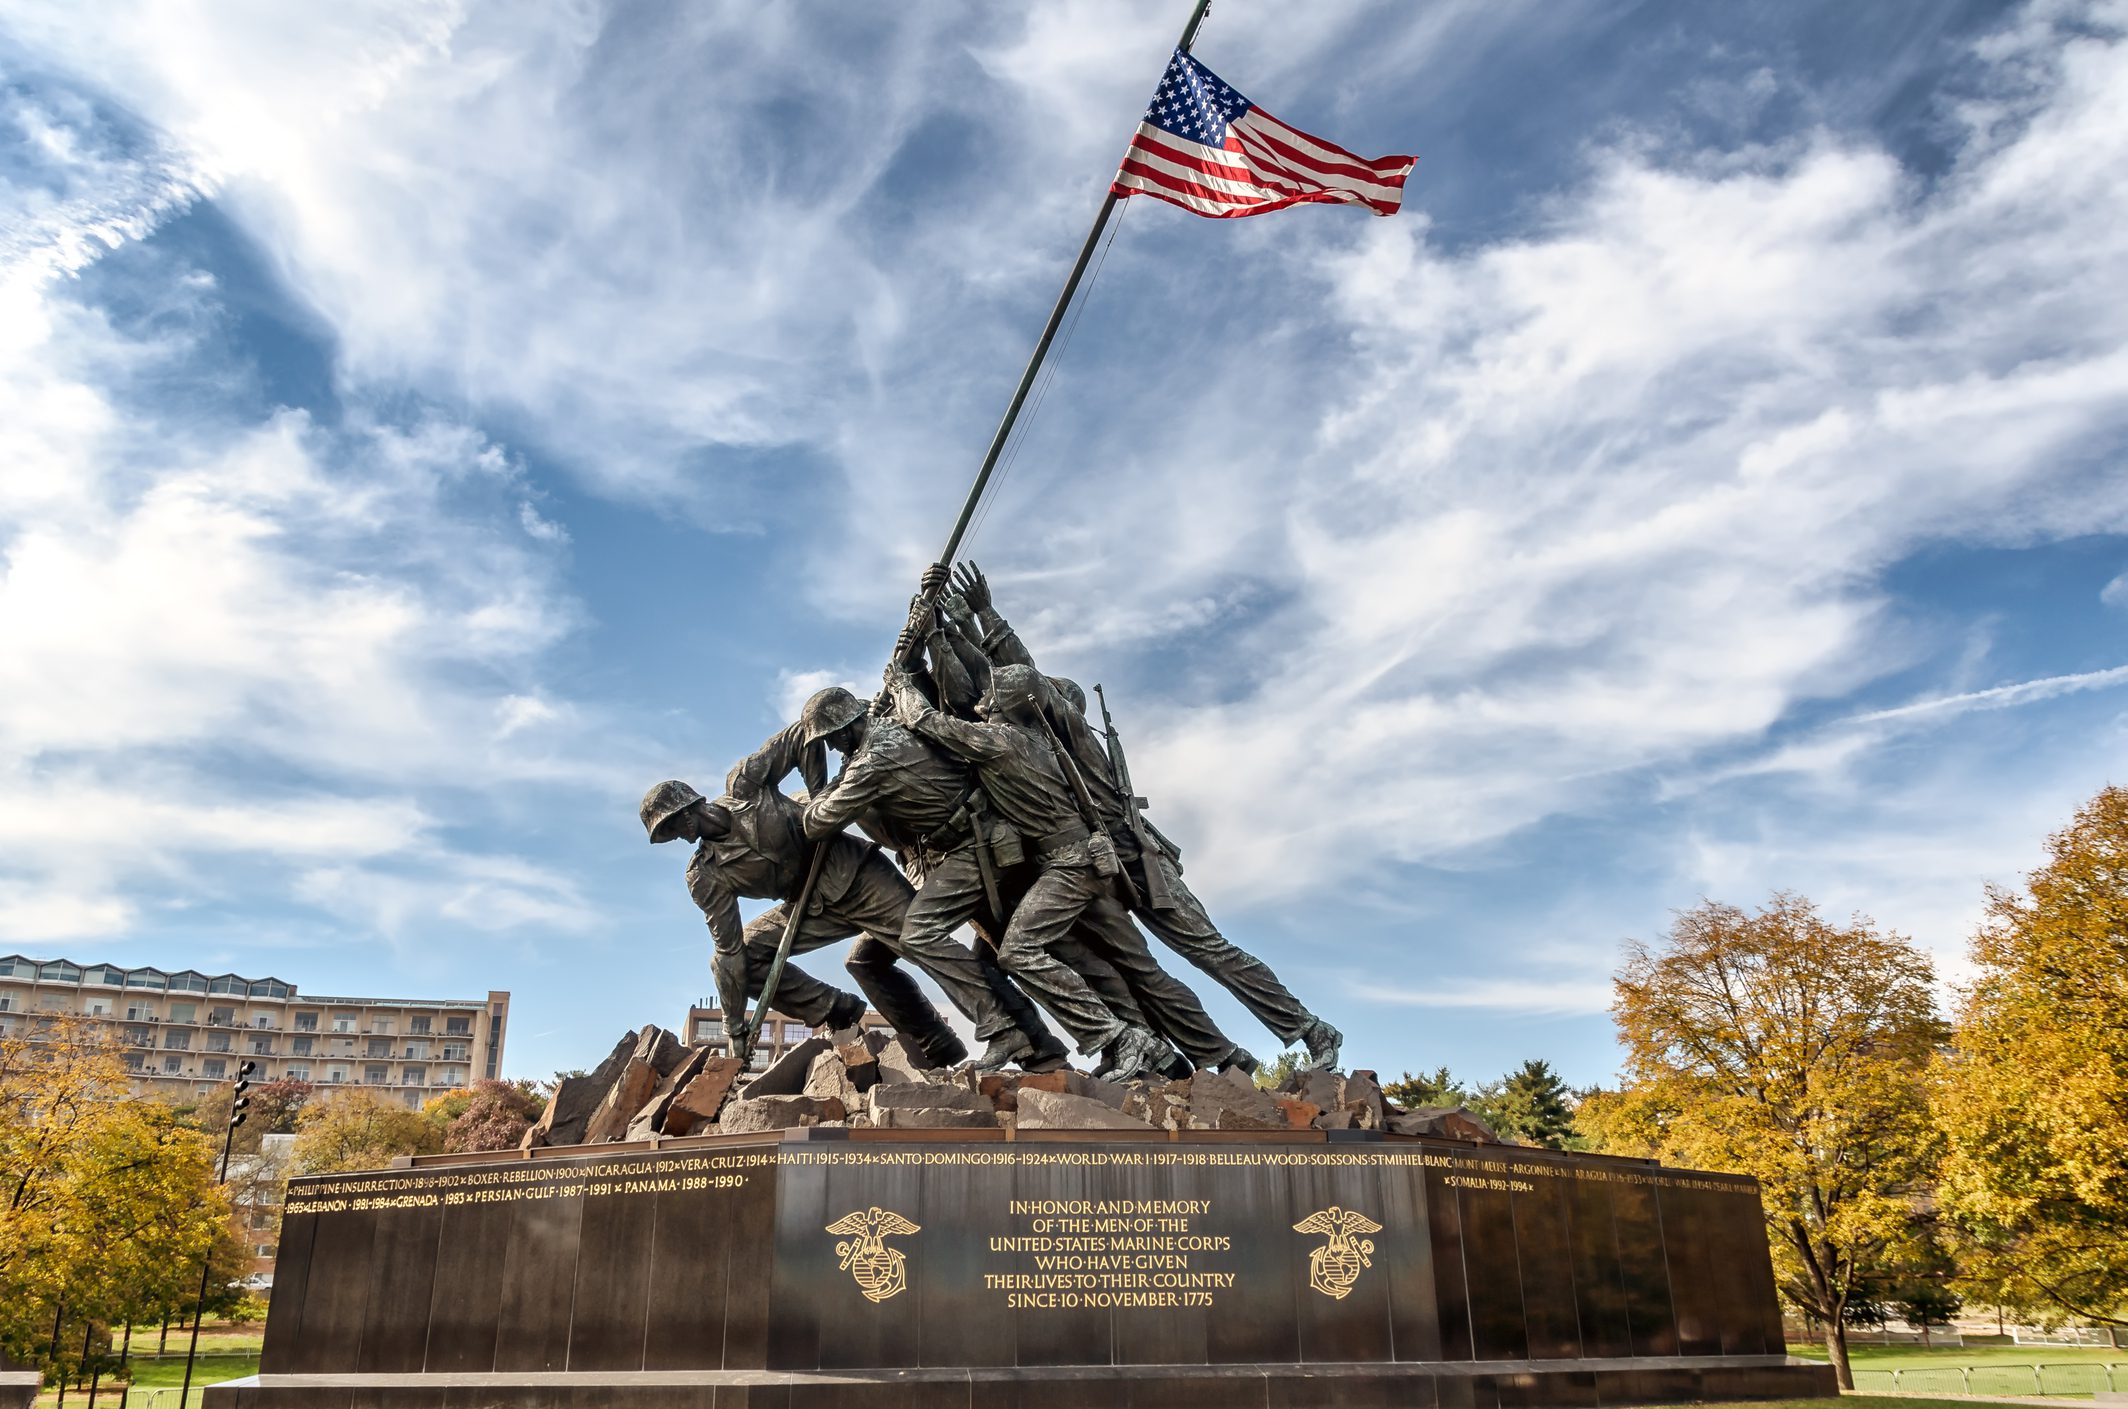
x: 1069, y: 689
x: 1012, y: 687
x: 827, y: 711
x: 663, y: 803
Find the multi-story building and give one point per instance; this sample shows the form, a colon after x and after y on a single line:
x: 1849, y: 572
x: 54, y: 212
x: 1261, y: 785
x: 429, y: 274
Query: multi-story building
x: 257, y: 1184
x: 705, y: 1023
x: 185, y: 1031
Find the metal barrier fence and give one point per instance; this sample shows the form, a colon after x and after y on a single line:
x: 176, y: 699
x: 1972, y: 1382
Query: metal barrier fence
x: 2070, y: 1378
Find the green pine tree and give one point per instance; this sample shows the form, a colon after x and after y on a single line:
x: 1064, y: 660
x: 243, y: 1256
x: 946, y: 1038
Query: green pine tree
x: 1435, y: 1089
x: 1532, y: 1105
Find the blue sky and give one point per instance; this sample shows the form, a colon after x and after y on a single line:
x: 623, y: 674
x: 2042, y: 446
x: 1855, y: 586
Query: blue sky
x: 422, y: 427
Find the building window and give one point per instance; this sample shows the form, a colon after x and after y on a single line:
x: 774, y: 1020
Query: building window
x: 300, y: 1046
x: 306, y: 1022
x: 380, y: 1025
x: 262, y: 1046
x: 458, y: 1027
x: 414, y: 1076
x: 214, y: 1067
x: 59, y: 971
x: 187, y: 982
x: 418, y: 1026
x: 376, y: 1076
x: 343, y: 1022
x: 379, y: 1047
x: 184, y: 1012
x: 337, y: 1074
x: 173, y: 1065
x: 229, y: 983
x: 177, y: 1041
x: 114, y: 978
x: 144, y: 978
x: 709, y: 1030
x: 297, y: 1071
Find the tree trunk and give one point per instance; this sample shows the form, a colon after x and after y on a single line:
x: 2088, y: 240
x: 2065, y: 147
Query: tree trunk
x: 1836, y: 1351
x: 162, y: 1346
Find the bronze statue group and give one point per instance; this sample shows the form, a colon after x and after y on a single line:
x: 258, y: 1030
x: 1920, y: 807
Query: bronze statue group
x: 1008, y: 812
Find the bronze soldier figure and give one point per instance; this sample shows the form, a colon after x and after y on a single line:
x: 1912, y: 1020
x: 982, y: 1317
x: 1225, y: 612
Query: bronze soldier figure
x: 1165, y: 904
x: 751, y: 843
x: 918, y: 800
x: 922, y: 801
x: 1105, y: 946
x: 1022, y: 778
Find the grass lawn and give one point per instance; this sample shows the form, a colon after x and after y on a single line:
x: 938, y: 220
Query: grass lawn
x: 213, y: 1340
x: 1995, y: 1368
x: 166, y: 1374
x: 1892, y: 1357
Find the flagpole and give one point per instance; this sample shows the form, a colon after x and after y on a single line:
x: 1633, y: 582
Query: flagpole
x: 1049, y: 333
x: 742, y: 1037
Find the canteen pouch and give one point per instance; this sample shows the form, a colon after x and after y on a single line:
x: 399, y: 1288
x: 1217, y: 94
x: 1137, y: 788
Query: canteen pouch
x: 1101, y: 850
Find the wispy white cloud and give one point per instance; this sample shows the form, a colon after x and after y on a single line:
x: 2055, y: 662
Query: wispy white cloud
x: 1611, y: 495
x: 1831, y: 749
x: 1532, y: 997
x: 224, y: 637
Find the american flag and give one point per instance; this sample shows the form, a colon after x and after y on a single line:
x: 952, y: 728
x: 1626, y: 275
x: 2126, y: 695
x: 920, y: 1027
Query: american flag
x: 1206, y: 148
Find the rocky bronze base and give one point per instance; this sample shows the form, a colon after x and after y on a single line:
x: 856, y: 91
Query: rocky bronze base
x: 1022, y: 1268
x: 1581, y: 1384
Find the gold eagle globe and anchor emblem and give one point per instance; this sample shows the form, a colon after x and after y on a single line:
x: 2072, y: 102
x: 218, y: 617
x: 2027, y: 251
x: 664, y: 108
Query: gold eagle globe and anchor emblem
x: 1335, y: 1267
x: 880, y: 1271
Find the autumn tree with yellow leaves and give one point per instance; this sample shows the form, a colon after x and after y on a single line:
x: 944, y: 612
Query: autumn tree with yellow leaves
x: 107, y: 1204
x: 360, y: 1129
x: 1781, y: 1045
x: 2033, y: 1096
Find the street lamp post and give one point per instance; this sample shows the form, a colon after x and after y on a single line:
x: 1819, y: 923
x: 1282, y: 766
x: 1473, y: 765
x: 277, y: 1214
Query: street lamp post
x: 238, y: 1101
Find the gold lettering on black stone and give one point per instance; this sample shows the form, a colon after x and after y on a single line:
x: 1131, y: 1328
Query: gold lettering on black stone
x: 1127, y: 1254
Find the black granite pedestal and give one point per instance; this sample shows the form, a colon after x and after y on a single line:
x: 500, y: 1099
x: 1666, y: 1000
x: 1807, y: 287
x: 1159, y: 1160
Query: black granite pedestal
x: 19, y: 1384
x: 900, y: 1268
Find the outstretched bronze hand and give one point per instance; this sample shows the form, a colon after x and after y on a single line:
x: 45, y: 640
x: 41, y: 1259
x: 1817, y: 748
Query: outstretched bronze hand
x: 954, y: 607
x: 973, y: 587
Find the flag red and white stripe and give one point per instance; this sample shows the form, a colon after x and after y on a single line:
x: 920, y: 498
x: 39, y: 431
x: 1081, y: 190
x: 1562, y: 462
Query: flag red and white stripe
x: 1206, y: 148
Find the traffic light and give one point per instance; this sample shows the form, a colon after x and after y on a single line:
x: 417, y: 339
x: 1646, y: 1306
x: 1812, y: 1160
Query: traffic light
x: 238, y: 1100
